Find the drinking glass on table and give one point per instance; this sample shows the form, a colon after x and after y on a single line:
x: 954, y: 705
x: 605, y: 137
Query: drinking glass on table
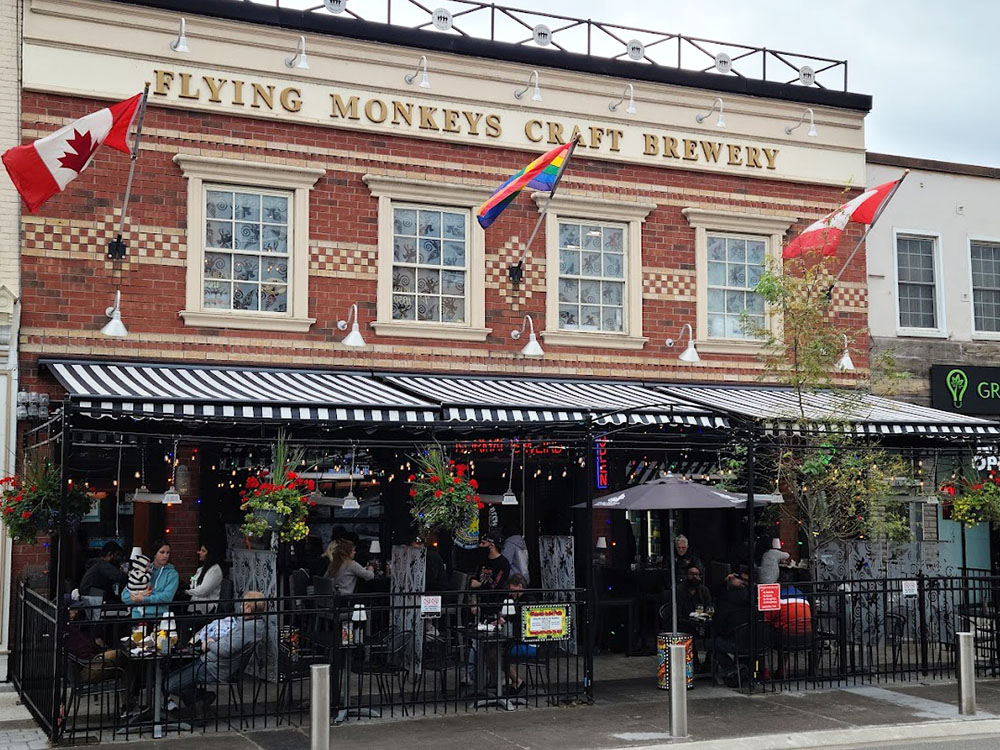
x: 699, y: 610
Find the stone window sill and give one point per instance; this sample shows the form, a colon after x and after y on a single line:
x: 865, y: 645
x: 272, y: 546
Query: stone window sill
x: 259, y: 322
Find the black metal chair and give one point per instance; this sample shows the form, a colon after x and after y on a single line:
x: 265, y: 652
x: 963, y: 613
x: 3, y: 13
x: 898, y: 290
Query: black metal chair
x: 294, y: 659
x: 239, y: 666
x: 387, y: 658
x: 108, y: 689
x: 440, y: 655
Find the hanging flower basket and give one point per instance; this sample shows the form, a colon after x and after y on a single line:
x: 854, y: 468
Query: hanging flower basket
x: 973, y: 501
x: 277, y: 501
x: 30, y: 503
x: 442, y: 494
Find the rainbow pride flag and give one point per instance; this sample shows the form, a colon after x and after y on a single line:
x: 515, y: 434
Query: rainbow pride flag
x: 542, y: 174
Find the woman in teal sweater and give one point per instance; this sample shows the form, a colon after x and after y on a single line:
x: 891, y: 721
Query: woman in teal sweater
x: 152, y: 603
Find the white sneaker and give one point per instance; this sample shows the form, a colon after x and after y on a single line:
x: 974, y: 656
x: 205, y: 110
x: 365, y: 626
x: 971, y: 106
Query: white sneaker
x: 171, y: 704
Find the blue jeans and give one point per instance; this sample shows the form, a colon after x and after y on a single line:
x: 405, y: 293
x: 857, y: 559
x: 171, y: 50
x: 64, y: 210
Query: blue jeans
x: 184, y: 682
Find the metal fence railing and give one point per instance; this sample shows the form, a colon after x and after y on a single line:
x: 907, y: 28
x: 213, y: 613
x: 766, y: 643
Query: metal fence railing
x: 246, y: 665
x: 876, y: 630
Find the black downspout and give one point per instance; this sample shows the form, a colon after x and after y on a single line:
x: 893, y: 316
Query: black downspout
x: 587, y: 536
x: 62, y: 613
x: 751, y: 584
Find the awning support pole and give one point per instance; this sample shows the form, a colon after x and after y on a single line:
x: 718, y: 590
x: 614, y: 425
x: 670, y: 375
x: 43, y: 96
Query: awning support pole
x: 751, y: 583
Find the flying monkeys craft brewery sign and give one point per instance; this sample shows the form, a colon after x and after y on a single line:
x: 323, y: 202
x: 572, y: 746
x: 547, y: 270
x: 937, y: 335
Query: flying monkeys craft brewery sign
x: 411, y: 116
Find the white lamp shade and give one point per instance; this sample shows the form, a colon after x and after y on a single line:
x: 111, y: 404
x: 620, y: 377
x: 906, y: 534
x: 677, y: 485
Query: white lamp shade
x: 508, y: 609
x: 509, y: 498
x: 846, y: 363
x: 350, y: 502
x: 532, y: 348
x: 360, y: 614
x: 602, y: 542
x: 375, y: 547
x: 114, y: 327
x: 354, y: 338
x: 690, y: 354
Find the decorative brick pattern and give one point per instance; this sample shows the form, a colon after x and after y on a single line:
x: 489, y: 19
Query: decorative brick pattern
x: 87, y: 240
x: 343, y: 260
x: 663, y: 284
x: 497, y: 264
x: 850, y: 297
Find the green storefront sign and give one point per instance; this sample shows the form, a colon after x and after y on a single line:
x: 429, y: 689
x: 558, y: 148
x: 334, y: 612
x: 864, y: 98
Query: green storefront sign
x: 968, y: 390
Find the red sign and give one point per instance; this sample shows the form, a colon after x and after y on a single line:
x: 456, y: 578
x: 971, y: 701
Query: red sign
x: 768, y: 597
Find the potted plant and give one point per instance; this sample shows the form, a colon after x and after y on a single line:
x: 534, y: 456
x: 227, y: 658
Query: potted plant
x: 31, y: 502
x: 277, y: 500
x: 973, y: 501
x: 442, y: 494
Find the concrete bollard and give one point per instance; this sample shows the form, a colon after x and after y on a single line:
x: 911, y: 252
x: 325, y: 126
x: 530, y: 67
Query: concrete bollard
x: 319, y: 707
x: 678, y: 691
x: 966, y: 673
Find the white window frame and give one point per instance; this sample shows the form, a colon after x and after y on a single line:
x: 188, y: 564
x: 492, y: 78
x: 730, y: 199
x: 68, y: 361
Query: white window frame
x: 771, y: 228
x: 941, y: 330
x: 203, y: 172
x: 442, y: 196
x: 572, y: 208
x: 977, y: 334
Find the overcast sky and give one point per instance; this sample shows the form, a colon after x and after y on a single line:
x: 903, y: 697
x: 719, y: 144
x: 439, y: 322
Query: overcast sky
x: 930, y: 66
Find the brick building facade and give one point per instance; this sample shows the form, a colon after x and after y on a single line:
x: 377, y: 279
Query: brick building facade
x: 354, y: 173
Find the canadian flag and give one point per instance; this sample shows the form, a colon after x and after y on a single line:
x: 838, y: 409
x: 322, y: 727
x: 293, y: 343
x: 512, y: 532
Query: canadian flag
x: 824, y: 235
x: 45, y: 167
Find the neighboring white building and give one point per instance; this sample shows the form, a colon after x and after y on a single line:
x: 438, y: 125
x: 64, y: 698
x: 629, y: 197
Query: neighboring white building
x: 934, y: 278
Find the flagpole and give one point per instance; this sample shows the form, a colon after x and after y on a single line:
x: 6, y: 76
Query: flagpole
x: 516, y: 270
x: 829, y: 291
x: 116, y: 248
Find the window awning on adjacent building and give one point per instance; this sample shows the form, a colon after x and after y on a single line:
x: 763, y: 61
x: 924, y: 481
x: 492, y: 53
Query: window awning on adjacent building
x: 492, y: 399
x: 778, y: 410
x: 200, y: 391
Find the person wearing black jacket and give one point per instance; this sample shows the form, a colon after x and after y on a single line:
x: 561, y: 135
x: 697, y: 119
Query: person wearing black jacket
x: 105, y: 572
x: 732, y: 609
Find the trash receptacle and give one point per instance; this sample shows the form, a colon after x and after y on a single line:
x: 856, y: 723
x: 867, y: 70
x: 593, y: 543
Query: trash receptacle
x: 663, y: 643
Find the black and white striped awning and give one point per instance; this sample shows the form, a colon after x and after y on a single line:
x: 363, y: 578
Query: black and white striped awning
x: 198, y: 391
x: 491, y: 399
x: 778, y: 410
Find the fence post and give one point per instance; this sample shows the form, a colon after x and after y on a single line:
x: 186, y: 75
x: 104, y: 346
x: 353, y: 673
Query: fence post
x: 319, y: 707
x: 966, y: 673
x: 678, y: 691
x: 922, y: 621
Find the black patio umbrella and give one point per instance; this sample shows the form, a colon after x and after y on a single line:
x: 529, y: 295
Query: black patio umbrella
x: 672, y: 493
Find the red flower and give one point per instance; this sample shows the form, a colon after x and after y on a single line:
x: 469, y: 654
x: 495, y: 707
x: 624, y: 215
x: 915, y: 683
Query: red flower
x: 252, y: 483
x: 480, y: 504
x: 310, y: 485
x: 411, y: 478
x: 977, y: 486
x: 477, y: 499
x: 438, y: 493
x: 474, y: 484
x: 413, y: 493
x: 8, y: 509
x: 461, y: 469
x: 26, y: 514
x: 34, y: 488
x: 312, y: 503
x: 304, y: 499
x: 435, y: 479
x: 292, y: 475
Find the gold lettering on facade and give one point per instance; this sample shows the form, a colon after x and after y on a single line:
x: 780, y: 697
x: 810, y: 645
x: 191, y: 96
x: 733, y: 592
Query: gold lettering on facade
x: 186, y: 92
x: 651, y: 145
x: 711, y: 150
x: 753, y: 157
x: 670, y: 147
x: 402, y: 112
x: 596, y: 134
x: 427, y: 118
x: 615, y: 138
x: 690, y: 150
x: 262, y: 94
x: 473, y: 119
x: 451, y: 121
x: 214, y: 88
x: 734, y: 154
x: 493, y: 128
x: 291, y: 99
x: 348, y: 111
x: 163, y: 80
x: 576, y: 135
x: 770, y: 154
x: 376, y: 111
x: 555, y: 133
x: 529, y: 128
x: 238, y: 93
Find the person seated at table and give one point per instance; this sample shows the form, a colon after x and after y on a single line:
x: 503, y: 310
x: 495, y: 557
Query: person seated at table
x: 684, y: 558
x: 495, y: 569
x: 692, y: 596
x: 344, y: 570
x: 221, y: 648
x: 84, y: 646
x: 206, y: 583
x: 151, y: 603
x: 104, y: 573
x: 732, y: 609
x: 519, y: 651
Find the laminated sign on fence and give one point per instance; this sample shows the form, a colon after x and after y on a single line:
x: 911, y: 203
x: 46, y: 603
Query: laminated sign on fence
x: 545, y: 623
x: 768, y: 597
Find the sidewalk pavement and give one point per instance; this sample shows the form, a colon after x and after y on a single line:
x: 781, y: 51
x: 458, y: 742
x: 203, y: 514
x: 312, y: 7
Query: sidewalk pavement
x: 634, y: 714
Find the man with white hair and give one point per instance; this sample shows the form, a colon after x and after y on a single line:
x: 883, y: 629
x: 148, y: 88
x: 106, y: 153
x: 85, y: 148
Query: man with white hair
x: 223, y: 648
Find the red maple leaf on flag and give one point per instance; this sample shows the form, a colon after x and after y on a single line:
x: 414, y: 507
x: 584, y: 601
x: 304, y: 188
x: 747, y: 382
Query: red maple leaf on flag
x: 82, y: 148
